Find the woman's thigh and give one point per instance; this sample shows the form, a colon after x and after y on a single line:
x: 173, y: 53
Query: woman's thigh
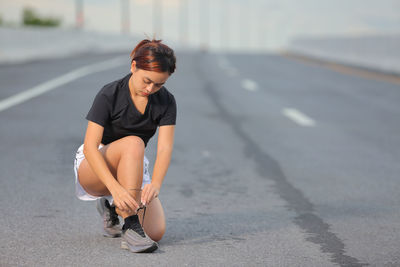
x: 111, y: 154
x: 89, y: 180
x: 154, y: 221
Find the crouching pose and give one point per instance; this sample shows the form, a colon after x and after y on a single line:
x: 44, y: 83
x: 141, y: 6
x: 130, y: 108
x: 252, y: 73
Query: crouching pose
x: 111, y: 166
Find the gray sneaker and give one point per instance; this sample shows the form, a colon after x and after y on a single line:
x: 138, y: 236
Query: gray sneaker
x: 111, y: 226
x: 136, y: 240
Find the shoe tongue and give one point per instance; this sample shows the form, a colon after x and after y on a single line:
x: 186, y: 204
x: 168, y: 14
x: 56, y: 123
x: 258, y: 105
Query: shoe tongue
x: 132, y: 222
x: 138, y: 229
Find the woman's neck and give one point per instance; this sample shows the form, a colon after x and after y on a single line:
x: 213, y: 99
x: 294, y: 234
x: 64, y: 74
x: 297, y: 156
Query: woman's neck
x: 132, y: 91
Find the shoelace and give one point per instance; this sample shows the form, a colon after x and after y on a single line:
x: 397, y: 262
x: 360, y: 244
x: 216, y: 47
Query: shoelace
x: 137, y: 227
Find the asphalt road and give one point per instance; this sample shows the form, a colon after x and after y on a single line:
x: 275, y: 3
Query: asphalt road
x: 276, y: 163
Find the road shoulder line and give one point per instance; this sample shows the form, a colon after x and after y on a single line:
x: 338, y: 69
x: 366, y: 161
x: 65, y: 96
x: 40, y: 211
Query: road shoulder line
x: 59, y: 81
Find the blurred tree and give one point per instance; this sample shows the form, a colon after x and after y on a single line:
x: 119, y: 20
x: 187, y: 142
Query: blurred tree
x: 31, y: 18
x: 1, y: 20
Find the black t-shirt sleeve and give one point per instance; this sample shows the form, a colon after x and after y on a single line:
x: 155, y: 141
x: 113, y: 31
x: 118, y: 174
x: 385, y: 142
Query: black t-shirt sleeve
x: 169, y: 117
x: 100, y: 110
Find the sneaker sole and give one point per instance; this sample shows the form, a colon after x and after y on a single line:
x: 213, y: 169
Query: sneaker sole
x: 139, y: 249
x: 105, y: 234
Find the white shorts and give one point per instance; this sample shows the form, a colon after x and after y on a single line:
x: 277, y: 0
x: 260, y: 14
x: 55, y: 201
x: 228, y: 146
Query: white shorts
x: 82, y: 194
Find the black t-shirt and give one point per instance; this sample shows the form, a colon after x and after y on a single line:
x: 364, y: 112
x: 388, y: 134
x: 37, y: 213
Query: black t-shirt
x: 114, y: 109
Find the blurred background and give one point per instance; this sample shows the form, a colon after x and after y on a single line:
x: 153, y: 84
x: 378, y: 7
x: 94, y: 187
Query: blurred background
x: 357, y: 31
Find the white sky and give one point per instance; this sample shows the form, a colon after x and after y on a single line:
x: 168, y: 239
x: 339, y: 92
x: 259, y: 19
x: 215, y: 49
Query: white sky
x: 234, y: 23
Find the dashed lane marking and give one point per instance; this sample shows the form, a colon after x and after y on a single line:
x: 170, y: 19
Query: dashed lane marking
x: 298, y: 117
x: 249, y: 85
x: 226, y: 66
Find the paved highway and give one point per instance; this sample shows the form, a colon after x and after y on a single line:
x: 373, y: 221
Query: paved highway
x: 277, y: 162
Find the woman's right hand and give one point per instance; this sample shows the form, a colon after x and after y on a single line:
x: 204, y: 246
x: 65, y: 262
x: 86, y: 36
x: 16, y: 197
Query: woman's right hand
x: 123, y: 200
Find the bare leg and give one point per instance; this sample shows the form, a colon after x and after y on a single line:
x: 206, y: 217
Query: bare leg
x: 124, y: 158
x: 154, y: 220
x: 130, y: 171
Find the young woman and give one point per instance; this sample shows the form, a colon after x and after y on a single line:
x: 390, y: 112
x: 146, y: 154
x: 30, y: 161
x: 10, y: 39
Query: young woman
x: 110, y: 166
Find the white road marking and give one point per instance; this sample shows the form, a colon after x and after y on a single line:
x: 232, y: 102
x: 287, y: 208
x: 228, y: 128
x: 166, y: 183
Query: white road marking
x: 205, y: 153
x: 298, y: 117
x: 61, y: 80
x: 226, y: 66
x: 249, y: 85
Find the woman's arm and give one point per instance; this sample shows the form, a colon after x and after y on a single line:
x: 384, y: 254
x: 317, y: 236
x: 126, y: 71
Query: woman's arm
x: 164, y: 151
x: 96, y: 161
x: 99, y: 166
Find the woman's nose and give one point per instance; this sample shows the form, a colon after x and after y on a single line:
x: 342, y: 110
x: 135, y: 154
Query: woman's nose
x: 149, y: 88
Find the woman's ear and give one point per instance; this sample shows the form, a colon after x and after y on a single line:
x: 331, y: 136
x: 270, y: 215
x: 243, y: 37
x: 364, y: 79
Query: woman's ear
x: 133, y: 66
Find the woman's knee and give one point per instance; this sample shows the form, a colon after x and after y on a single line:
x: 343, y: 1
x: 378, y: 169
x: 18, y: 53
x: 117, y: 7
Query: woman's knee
x: 157, y: 234
x: 154, y: 224
x: 133, y: 145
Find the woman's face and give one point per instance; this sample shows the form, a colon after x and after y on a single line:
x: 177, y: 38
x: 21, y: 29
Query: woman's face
x: 145, y: 83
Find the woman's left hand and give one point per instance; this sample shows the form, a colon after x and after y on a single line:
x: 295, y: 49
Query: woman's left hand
x: 149, y: 193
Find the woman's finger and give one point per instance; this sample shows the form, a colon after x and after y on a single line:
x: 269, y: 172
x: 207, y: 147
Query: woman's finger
x: 147, y: 196
x: 116, y: 204
x: 127, y: 206
x: 144, y: 193
x: 124, y: 206
x: 153, y: 196
x: 132, y: 204
x: 119, y: 205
